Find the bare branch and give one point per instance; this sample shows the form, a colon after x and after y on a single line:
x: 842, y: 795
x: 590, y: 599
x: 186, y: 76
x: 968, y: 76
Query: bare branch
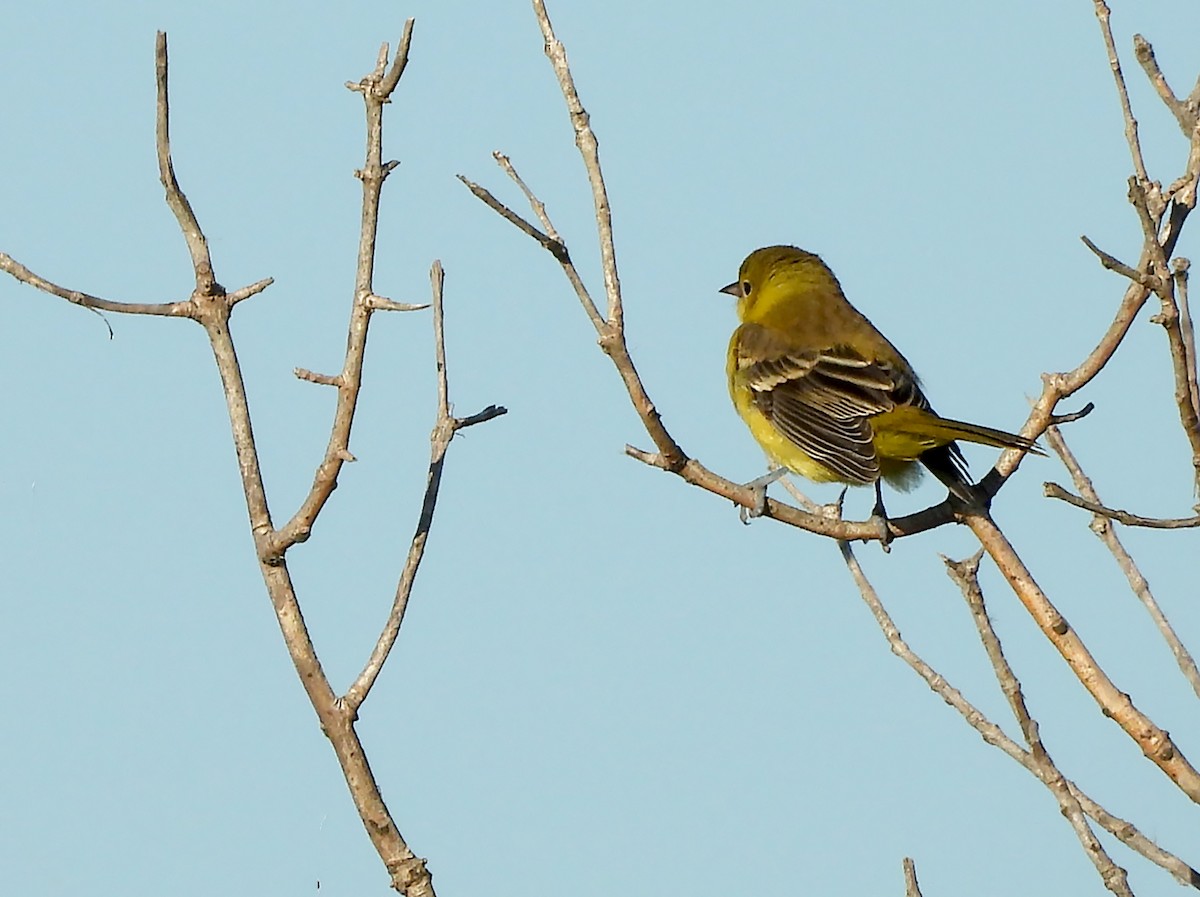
x: 1183, y: 367
x: 992, y: 734
x: 379, y: 303
x: 1145, y: 56
x: 1103, y: 14
x: 437, y: 277
x: 246, y: 292
x: 320, y: 379
x: 1155, y: 743
x: 966, y: 575
x: 1053, y: 490
x: 539, y: 208
x: 1150, y: 219
x: 167, y: 309
x: 911, y: 888
x: 388, y: 84
x: 376, y: 89
x: 1112, y: 263
x: 589, y: 150
x: 443, y: 432
x: 1071, y: 417
x: 206, y: 283
x: 1104, y: 530
x: 550, y: 244
x: 1179, y: 270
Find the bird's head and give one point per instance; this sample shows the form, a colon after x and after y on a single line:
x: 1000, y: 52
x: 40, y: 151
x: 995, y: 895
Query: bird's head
x: 774, y: 275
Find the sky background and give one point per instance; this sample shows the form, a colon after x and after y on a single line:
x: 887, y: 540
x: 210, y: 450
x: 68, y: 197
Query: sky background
x: 605, y: 681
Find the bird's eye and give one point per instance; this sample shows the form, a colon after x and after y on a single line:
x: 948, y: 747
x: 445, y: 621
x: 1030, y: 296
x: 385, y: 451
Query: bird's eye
x: 746, y: 288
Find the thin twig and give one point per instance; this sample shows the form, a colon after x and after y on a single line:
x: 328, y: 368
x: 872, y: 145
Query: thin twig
x: 1053, y: 490
x: 437, y: 278
x: 206, y: 283
x: 966, y: 576
x: 319, y: 379
x: 1131, y: 128
x: 1112, y: 263
x: 1137, y: 582
x: 589, y: 151
x: 1179, y: 270
x: 9, y: 265
x: 1145, y: 57
x: 539, y: 208
x: 554, y: 246
x: 911, y: 888
x: 1183, y: 370
x: 380, y: 303
x: 1150, y: 219
x: 400, y: 63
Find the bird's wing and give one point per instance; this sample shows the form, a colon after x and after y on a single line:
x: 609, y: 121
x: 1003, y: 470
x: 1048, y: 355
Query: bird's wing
x: 822, y: 399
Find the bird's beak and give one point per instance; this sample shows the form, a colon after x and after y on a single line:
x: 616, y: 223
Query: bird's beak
x: 734, y: 289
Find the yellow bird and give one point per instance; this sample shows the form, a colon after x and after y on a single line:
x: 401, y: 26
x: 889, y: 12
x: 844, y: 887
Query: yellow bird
x: 826, y: 394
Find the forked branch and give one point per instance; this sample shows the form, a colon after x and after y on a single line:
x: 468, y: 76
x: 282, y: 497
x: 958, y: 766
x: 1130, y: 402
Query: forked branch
x: 211, y: 306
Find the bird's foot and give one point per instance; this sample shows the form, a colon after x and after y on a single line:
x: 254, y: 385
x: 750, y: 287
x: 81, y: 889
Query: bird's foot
x: 759, y: 486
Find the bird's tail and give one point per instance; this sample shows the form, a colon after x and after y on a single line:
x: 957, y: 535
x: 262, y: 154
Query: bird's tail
x: 957, y: 429
x: 947, y: 463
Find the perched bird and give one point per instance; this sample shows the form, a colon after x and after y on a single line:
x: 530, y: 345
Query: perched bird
x: 826, y: 394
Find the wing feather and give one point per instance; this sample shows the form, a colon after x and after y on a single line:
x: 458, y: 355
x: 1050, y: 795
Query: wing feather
x: 822, y: 400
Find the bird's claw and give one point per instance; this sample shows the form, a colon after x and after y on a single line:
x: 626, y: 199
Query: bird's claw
x: 759, y: 488
x: 758, y: 509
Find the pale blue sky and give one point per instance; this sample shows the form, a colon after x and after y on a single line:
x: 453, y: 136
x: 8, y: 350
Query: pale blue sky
x: 605, y: 681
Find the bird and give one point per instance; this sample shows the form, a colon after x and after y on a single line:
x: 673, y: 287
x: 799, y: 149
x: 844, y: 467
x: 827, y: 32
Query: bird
x: 827, y: 395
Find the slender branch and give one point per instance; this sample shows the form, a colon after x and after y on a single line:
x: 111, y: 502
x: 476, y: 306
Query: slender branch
x: 443, y: 432
x: 564, y: 258
x: 993, y: 735
x: 1145, y: 57
x: 320, y: 379
x: 539, y: 208
x: 379, y: 303
x: 1061, y: 385
x: 1053, y: 490
x: 966, y: 575
x: 1112, y: 263
x: 1184, y: 372
x: 589, y: 150
x: 911, y: 888
x: 9, y: 265
x: 388, y: 84
x: 215, y: 318
x: 437, y: 279
x: 1155, y: 743
x: 1179, y: 271
x: 206, y: 283
x: 1103, y: 14
x: 376, y: 89
x: 1150, y: 219
x: 1141, y: 588
x: 553, y: 246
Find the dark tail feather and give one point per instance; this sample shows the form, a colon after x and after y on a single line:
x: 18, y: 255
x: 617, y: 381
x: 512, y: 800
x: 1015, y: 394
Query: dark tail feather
x: 946, y: 463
